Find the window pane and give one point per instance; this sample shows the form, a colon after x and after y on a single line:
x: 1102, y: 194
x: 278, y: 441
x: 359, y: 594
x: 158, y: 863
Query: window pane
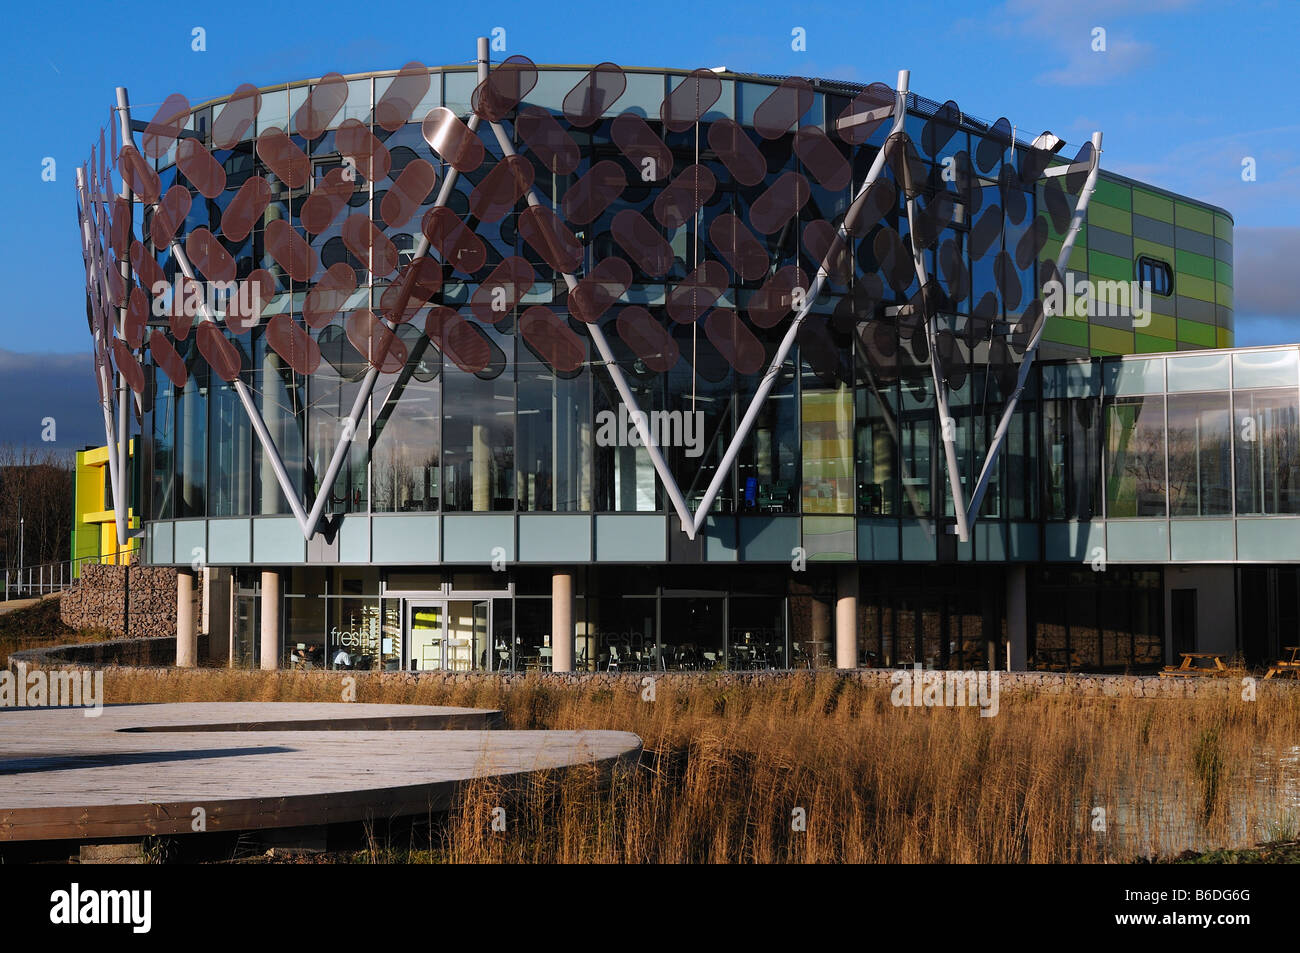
x: 1022, y: 461
x: 305, y: 633
x: 1073, y: 449
x: 164, y: 447
x: 192, y: 446
x: 405, y: 470
x: 757, y: 632
x: 625, y: 477
x: 1199, y: 372
x: 1085, y: 641
x: 693, y: 634
x: 919, y: 455
x: 1264, y: 368
x: 282, y: 402
x: 1268, y: 451
x: 231, y: 443
x: 1135, y: 457
x: 1200, y: 447
x: 877, y: 449
x: 827, y: 448
x: 701, y: 404
x: 354, y: 638
x: 768, y: 462
x: 554, y: 442
x: 332, y: 397
x: 479, y: 434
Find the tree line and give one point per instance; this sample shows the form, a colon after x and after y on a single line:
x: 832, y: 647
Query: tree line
x: 36, y: 486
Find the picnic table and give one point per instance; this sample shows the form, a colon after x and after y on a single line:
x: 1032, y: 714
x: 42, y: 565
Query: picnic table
x: 1290, y: 665
x: 1197, y: 664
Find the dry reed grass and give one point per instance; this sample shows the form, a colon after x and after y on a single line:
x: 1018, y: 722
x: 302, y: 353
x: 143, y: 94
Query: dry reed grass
x: 725, y: 765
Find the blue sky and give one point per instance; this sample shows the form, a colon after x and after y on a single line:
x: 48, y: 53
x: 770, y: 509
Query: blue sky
x: 1183, y: 92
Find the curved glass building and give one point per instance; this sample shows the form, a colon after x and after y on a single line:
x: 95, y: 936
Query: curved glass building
x: 400, y: 420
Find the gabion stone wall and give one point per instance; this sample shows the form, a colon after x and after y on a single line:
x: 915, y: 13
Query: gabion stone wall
x: 96, y: 601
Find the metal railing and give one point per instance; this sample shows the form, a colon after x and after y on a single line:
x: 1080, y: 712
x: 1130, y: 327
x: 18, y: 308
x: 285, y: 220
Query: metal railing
x: 33, y: 582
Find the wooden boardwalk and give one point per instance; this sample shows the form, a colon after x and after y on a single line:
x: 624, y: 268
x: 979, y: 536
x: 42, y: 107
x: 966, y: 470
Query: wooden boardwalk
x: 144, y: 769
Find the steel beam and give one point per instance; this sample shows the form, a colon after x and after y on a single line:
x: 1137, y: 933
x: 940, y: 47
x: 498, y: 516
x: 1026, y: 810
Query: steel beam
x: 620, y: 383
x: 121, y: 506
x: 310, y: 521
x: 787, y: 342
x: 1062, y: 263
x: 241, y: 390
x: 947, y: 424
x: 90, y: 249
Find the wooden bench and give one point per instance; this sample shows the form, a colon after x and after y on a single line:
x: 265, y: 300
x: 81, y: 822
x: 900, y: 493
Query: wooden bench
x: 1190, y: 666
x: 1288, y: 666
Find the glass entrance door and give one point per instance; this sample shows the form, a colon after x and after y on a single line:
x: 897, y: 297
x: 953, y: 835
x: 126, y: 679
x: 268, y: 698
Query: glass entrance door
x: 450, y: 635
x: 468, y: 630
x: 426, y: 641
x: 247, y: 622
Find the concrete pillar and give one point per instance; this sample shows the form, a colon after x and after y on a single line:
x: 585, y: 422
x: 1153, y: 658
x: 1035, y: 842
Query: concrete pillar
x: 481, y: 470
x: 270, y: 620
x: 202, y: 579
x: 218, y: 598
x: 191, y: 444
x: 584, y: 467
x: 821, y: 630
x: 562, y: 622
x: 882, y: 456
x: 273, y: 399
x: 846, y: 617
x: 1017, y: 618
x: 763, y: 445
x: 187, y: 638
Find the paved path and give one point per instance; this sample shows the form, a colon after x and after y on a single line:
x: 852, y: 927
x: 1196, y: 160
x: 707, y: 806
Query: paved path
x: 13, y: 605
x: 144, y: 769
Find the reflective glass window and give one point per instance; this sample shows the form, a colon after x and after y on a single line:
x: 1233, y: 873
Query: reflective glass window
x: 1266, y: 426
x: 1200, y: 455
x: 1135, y: 457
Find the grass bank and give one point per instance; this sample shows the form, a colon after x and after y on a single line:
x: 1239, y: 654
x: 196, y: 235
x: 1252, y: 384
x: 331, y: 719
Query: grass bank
x: 818, y: 768
x: 38, y: 626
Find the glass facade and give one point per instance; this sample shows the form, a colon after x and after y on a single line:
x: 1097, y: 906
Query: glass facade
x: 1266, y: 454
x: 1182, y: 457
x: 1096, y: 621
x: 372, y: 621
x: 945, y: 619
x: 1135, y: 456
x: 529, y: 445
x: 489, y: 423
x: 492, y: 415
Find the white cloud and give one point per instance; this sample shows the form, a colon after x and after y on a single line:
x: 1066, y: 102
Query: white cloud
x: 1265, y: 279
x: 1209, y: 170
x: 1061, y: 31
